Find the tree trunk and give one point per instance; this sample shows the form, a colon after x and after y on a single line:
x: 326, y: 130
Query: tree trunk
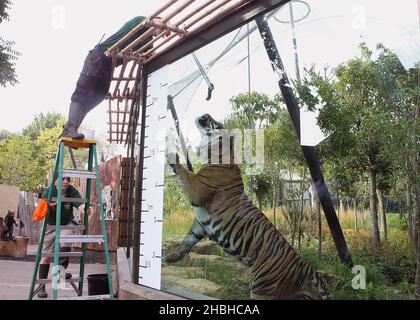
x: 410, y: 211
x: 259, y: 200
x: 355, y: 215
x: 274, y: 207
x: 338, y: 205
x: 382, y: 213
x: 362, y: 217
x: 301, y: 209
x: 318, y: 213
x: 374, y: 209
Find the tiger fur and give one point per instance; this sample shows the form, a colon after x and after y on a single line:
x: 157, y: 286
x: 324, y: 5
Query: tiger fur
x: 227, y: 217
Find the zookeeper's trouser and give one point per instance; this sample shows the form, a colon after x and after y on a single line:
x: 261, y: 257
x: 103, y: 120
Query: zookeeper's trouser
x: 93, y: 83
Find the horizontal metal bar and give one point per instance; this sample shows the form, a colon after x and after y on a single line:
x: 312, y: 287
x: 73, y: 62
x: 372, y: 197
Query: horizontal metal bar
x: 82, y: 239
x: 63, y: 254
x: 74, y: 200
x: 96, y: 297
x: 79, y: 174
x: 45, y: 281
x: 73, y: 227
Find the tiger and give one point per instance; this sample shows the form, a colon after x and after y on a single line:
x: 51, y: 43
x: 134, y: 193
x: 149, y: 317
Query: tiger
x: 224, y: 213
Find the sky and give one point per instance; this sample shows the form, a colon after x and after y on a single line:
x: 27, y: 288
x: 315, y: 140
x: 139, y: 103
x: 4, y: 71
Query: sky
x: 54, y: 37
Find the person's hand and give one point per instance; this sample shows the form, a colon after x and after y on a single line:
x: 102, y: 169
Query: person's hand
x: 82, y: 210
x: 52, y: 204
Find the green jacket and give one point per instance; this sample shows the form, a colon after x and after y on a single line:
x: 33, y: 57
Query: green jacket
x: 66, y: 207
x: 127, y: 27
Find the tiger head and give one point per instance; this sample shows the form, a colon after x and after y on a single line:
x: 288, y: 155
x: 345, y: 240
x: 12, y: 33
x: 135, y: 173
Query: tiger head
x: 216, y: 144
x: 207, y: 125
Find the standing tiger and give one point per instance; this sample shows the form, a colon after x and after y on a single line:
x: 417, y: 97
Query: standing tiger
x: 224, y: 213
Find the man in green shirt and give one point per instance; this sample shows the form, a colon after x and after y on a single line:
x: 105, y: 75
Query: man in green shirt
x: 95, y: 78
x: 68, y: 191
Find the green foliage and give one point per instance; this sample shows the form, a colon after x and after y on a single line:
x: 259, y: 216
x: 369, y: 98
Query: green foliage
x: 255, y: 108
x: 227, y: 275
x: 20, y: 163
x: 8, y: 55
x: 4, y: 134
x: 25, y: 161
x: 390, y: 270
x: 175, y: 199
x: 43, y: 121
x: 4, y: 6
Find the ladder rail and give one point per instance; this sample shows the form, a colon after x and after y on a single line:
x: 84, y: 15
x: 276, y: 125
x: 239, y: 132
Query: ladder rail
x: 58, y: 222
x: 44, y: 227
x: 98, y: 184
x: 86, y: 221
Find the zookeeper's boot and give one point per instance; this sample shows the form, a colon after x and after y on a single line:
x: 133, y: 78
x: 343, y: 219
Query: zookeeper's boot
x: 64, y: 261
x: 43, y: 274
x: 70, y: 129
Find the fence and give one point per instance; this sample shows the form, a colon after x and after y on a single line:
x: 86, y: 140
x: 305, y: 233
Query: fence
x: 31, y: 229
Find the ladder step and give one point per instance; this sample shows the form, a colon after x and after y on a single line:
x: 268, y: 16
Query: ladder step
x: 82, y: 239
x: 73, y: 143
x: 74, y: 200
x: 46, y: 281
x: 73, y: 228
x: 79, y: 174
x: 95, y: 297
x: 63, y: 254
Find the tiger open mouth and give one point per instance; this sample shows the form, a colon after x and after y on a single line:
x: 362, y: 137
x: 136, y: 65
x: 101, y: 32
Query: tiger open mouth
x: 206, y: 124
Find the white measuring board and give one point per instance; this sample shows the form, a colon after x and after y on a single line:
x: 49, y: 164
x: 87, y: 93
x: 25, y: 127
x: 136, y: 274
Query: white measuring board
x: 153, y: 179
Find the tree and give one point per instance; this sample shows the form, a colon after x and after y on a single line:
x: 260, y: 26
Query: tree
x: 357, y: 112
x: 4, y: 134
x: 43, y: 121
x: 255, y: 108
x: 8, y: 55
x: 20, y: 164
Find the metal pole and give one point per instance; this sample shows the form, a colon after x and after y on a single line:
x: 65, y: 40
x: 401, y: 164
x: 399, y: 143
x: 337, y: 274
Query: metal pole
x: 251, y: 122
x: 292, y: 22
x: 171, y: 107
x: 210, y: 85
x: 309, y: 152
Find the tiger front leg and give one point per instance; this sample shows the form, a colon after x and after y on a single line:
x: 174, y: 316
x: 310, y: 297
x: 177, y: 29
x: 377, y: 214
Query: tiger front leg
x: 197, y: 193
x: 195, y: 234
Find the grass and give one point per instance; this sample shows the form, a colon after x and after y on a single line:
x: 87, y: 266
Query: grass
x: 177, y: 224
x: 390, y: 268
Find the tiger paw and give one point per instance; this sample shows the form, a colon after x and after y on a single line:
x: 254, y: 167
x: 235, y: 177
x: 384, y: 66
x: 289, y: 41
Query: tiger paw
x: 171, y: 258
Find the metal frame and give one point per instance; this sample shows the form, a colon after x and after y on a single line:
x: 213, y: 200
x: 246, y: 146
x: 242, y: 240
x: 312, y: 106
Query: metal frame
x: 237, y: 15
